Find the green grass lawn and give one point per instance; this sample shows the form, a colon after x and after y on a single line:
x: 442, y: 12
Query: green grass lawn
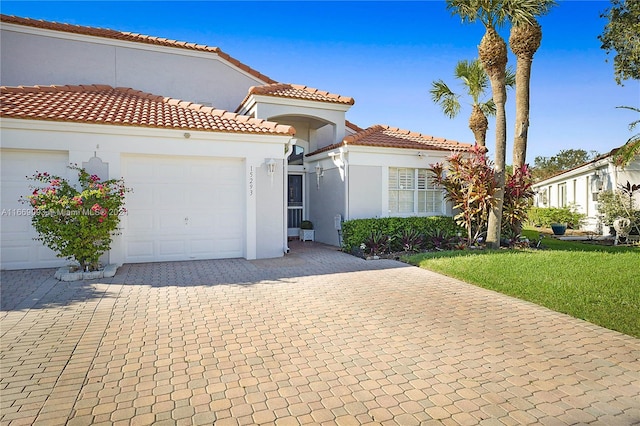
x: 600, y: 284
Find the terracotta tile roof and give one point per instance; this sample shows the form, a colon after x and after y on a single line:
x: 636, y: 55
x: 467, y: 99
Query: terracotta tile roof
x: 353, y: 126
x: 393, y: 137
x: 296, y: 91
x: 133, y: 37
x: 101, y: 104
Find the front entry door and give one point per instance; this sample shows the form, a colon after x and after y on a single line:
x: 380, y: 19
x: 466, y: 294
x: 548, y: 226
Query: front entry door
x: 295, y: 204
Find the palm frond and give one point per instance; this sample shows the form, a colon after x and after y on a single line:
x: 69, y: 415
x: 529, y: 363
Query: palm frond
x: 445, y: 97
x: 627, y: 152
x: 488, y: 108
x: 510, y: 78
x: 634, y: 123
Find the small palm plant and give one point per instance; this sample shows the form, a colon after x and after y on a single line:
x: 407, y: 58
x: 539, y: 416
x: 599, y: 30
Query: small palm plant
x: 476, y: 84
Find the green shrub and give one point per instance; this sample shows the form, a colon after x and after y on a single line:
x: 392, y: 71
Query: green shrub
x: 357, y: 231
x: 545, y: 216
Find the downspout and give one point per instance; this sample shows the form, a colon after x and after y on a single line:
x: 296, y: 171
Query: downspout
x: 285, y: 187
x: 346, y: 184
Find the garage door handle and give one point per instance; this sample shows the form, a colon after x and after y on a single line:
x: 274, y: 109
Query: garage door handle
x: 186, y: 220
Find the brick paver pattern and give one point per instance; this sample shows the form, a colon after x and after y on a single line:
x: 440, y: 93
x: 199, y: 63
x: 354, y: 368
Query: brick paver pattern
x: 316, y: 337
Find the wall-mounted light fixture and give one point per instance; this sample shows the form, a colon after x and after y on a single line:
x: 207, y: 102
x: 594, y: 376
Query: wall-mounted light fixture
x: 596, y: 182
x: 420, y: 154
x: 319, y: 174
x: 271, y: 167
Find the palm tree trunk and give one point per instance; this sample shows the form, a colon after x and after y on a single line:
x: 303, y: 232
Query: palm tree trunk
x: 523, y: 77
x: 495, y: 214
x: 493, y: 55
x: 524, y: 41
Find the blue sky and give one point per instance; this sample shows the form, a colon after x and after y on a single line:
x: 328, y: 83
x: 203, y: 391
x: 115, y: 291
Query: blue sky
x: 386, y: 54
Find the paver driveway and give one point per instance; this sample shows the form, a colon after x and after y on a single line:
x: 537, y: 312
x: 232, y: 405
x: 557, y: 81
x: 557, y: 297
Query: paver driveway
x: 317, y: 337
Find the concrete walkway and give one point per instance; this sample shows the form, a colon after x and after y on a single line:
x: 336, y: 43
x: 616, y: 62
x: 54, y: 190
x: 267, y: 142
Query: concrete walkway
x: 317, y: 337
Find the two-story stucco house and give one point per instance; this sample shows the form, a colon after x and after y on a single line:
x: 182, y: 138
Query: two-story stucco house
x: 223, y: 161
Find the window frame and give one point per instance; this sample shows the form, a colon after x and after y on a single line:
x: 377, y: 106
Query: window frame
x: 422, y: 193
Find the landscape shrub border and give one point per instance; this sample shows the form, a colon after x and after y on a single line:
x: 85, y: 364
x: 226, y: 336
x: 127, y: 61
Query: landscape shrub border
x: 356, y: 231
x: 545, y: 216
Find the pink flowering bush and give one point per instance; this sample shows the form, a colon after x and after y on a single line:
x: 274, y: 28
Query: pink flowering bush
x: 78, y: 224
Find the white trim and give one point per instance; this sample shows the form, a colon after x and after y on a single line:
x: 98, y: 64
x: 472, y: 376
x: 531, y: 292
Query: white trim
x: 293, y: 102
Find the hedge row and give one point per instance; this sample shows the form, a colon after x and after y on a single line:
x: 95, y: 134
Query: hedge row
x: 357, y: 231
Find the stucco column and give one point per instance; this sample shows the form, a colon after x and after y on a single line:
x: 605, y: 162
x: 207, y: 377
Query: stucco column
x: 252, y: 165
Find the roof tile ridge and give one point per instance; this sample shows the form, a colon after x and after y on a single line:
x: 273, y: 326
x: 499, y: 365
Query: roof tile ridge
x: 271, y: 125
x: 366, y: 132
x: 268, y: 88
x: 313, y: 90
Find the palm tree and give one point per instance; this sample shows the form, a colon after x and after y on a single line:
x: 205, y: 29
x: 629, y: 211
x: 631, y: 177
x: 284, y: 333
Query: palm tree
x: 492, y: 52
x: 524, y: 41
x: 626, y: 153
x: 476, y: 82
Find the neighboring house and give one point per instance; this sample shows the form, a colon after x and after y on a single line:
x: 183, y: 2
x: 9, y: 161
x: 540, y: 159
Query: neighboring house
x: 580, y: 187
x: 207, y: 182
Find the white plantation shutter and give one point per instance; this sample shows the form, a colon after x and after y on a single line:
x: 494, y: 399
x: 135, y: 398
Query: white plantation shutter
x: 410, y: 191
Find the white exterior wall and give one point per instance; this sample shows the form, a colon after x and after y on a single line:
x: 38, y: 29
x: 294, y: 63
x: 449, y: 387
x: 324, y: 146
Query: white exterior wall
x: 264, y: 195
x: 356, y: 185
x: 274, y: 108
x: 45, y: 57
x: 580, y: 191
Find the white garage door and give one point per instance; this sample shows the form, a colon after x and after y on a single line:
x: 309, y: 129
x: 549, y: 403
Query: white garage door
x: 183, y: 208
x: 19, y: 250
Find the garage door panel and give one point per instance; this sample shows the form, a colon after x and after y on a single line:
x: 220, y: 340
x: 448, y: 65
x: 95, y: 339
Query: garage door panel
x: 172, y: 247
x: 141, y: 221
x: 141, y: 250
x: 202, y: 247
x: 196, y: 210
x: 173, y: 195
x: 141, y: 197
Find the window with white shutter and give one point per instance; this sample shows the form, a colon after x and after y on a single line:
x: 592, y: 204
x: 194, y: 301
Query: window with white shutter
x: 411, y: 192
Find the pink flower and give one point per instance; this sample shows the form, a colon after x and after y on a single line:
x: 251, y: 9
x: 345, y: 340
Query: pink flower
x: 55, y: 182
x: 96, y: 207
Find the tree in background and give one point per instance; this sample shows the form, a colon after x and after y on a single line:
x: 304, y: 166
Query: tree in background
x: 566, y: 159
x: 629, y: 150
x: 622, y: 36
x: 476, y: 82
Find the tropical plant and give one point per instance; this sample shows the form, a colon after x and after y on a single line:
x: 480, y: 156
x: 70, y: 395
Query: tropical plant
x: 411, y: 240
x: 492, y: 52
x: 78, y: 224
x: 440, y: 239
x: 625, y: 154
x: 621, y: 34
x: 469, y: 183
x: 377, y: 243
x: 518, y: 196
x: 475, y: 81
x: 620, y: 204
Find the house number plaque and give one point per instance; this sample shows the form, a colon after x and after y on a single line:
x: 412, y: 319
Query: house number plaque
x: 251, y: 183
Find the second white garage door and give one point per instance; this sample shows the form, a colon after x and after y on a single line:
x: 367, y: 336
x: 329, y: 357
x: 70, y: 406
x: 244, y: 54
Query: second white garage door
x: 183, y: 208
